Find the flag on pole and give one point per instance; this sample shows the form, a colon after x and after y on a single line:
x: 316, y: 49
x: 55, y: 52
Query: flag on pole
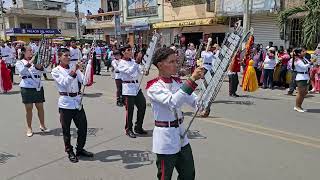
x: 88, y: 75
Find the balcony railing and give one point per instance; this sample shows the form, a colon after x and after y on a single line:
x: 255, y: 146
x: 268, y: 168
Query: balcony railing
x: 103, y: 17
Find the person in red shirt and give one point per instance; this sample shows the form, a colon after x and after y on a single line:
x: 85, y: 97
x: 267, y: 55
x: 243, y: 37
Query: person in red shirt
x: 284, y: 57
x: 234, y: 68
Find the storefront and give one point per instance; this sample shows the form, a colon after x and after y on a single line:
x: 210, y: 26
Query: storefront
x: 27, y: 35
x: 190, y: 31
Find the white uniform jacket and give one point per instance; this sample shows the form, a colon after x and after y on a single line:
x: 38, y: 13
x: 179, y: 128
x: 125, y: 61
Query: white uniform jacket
x: 167, y: 96
x: 130, y: 72
x: 75, y: 56
x: 30, y: 76
x: 208, y: 60
x: 116, y: 73
x: 67, y: 84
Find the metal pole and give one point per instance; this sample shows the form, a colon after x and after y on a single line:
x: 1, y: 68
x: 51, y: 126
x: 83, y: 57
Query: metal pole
x: 3, y: 21
x: 246, y: 16
x: 76, y: 9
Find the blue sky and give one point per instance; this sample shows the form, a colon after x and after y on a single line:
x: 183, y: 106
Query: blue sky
x: 92, y: 5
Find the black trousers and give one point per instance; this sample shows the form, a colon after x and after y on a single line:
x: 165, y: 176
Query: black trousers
x: 258, y: 73
x: 233, y: 83
x: 12, y: 71
x: 293, y: 84
x: 140, y: 102
x: 268, y: 78
x: 283, y: 73
x: 97, y: 68
x: 182, y: 161
x: 80, y: 120
x: 119, y: 87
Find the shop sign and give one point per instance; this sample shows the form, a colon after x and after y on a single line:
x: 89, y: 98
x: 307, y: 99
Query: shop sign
x: 184, y: 23
x: 32, y: 31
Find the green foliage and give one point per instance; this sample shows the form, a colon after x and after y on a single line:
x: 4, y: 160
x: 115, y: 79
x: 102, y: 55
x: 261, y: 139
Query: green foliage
x: 311, y: 21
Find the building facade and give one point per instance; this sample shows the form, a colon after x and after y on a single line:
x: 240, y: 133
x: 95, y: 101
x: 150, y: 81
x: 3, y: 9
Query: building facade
x: 28, y: 20
x: 187, y: 22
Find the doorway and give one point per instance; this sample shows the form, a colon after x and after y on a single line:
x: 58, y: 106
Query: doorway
x: 193, y: 38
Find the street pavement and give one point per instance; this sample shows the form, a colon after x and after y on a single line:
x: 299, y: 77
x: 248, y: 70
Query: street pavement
x: 257, y: 136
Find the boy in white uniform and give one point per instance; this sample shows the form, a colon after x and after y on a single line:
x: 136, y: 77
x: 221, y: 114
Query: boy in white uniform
x: 167, y: 94
x: 69, y: 104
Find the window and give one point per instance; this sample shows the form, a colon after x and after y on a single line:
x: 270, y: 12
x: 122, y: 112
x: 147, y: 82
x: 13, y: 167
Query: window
x: 295, y: 32
x: 69, y: 25
x: 25, y: 25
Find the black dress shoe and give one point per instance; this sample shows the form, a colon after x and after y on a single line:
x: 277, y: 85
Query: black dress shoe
x: 140, y: 131
x: 72, y: 157
x: 131, y: 134
x: 84, y: 153
x: 235, y: 95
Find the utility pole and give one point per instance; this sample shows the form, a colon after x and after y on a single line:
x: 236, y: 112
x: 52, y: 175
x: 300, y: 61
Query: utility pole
x: 76, y: 10
x: 246, y: 15
x: 3, y: 21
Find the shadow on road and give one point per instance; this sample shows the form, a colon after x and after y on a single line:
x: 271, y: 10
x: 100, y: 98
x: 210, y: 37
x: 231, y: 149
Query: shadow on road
x: 255, y: 97
x: 195, y: 134
x: 234, y: 102
x: 4, y: 157
x: 73, y: 132
x: 313, y: 111
x: 93, y: 95
x: 130, y: 158
x: 11, y: 92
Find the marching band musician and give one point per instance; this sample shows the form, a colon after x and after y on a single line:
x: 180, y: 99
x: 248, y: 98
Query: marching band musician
x: 6, y: 54
x: 69, y: 104
x: 75, y: 53
x: 209, y: 59
x: 31, y: 88
x: 130, y: 70
x: 167, y: 94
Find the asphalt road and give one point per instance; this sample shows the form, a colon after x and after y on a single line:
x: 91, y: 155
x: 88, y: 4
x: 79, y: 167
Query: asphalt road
x: 254, y: 137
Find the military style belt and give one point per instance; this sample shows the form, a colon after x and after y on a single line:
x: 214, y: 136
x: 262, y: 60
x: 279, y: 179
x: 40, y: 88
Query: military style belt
x: 5, y: 56
x: 208, y: 63
x: 74, y: 60
x: 167, y: 124
x: 26, y: 77
x: 69, y: 94
x: 136, y: 81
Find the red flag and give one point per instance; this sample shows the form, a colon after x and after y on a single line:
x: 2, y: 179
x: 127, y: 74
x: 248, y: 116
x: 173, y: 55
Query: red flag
x: 88, y: 75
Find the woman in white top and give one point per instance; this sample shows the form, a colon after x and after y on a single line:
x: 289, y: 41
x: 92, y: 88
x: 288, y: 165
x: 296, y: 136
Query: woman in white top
x: 269, y: 64
x: 31, y: 88
x: 301, y: 66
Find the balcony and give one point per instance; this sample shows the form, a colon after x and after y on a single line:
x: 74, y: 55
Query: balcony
x: 101, y: 20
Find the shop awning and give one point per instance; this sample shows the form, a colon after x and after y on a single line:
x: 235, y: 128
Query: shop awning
x: 185, y: 23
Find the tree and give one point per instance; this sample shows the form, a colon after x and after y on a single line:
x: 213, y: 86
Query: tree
x: 310, y: 23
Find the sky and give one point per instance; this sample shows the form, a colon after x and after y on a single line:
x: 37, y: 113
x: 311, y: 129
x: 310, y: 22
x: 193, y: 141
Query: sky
x: 92, y: 5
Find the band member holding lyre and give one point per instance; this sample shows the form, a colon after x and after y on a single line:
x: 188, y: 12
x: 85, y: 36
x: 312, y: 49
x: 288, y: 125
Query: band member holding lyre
x: 130, y: 71
x: 31, y: 87
x: 69, y: 104
x: 167, y: 94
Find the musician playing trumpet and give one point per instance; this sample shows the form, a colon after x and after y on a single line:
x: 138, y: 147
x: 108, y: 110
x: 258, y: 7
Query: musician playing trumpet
x: 31, y: 87
x: 69, y: 103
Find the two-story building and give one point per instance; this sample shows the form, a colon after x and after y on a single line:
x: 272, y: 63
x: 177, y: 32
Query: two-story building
x: 190, y: 21
x: 29, y: 19
x: 136, y: 19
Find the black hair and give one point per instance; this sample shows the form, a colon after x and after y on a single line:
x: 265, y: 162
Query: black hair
x: 124, y: 48
x: 62, y: 50
x: 296, y: 52
x: 116, y: 52
x: 162, y: 54
x: 23, y: 52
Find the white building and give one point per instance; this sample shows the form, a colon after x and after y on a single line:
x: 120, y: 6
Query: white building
x: 28, y: 19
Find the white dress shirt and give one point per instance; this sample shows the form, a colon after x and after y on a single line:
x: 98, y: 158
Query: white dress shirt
x: 85, y: 53
x: 166, y: 100
x: 75, y: 56
x: 269, y: 63
x: 208, y: 60
x: 67, y: 84
x: 29, y: 75
x: 130, y: 71
x: 302, y: 69
x: 6, y: 54
x: 116, y: 73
